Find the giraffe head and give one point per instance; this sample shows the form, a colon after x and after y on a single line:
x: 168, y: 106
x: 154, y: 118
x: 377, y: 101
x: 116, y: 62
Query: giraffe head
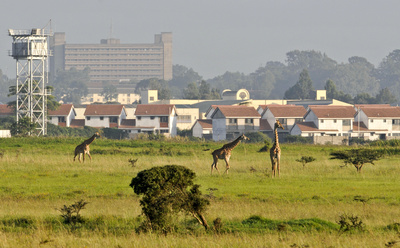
x: 278, y: 125
x: 97, y: 135
x: 244, y: 137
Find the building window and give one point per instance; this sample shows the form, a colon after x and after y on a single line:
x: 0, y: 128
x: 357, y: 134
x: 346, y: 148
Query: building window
x: 249, y: 121
x: 322, y: 121
x: 232, y: 121
x: 164, y: 119
x: 334, y: 121
x: 384, y: 120
x: 152, y: 98
x: 152, y: 117
x: 283, y: 121
x: 61, y: 119
x: 183, y: 118
x: 113, y: 119
x: 372, y: 120
x: 101, y: 118
x: 139, y: 118
x: 164, y: 131
x: 88, y: 118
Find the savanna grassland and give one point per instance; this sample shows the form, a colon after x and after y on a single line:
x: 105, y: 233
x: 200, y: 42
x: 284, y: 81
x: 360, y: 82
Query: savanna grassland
x: 302, y: 208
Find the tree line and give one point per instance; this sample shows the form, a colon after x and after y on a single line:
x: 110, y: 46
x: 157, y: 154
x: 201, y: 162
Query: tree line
x: 357, y: 80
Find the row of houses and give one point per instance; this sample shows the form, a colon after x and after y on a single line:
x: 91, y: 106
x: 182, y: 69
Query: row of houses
x: 229, y: 118
x: 223, y: 122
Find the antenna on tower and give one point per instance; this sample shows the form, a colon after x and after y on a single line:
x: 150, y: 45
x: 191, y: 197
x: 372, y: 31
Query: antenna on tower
x: 111, y: 29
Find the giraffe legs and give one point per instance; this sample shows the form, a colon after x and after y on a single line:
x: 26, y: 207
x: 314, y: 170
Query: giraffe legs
x: 214, y: 165
x: 227, y: 164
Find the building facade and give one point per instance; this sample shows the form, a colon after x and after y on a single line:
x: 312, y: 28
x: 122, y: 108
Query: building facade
x: 112, y: 61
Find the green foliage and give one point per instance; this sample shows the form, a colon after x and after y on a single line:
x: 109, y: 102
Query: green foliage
x: 55, y: 131
x: 71, y: 213
x: 109, y: 92
x: 350, y: 223
x: 291, y: 225
x: 257, y: 137
x: 114, y: 133
x: 305, y: 160
x: 302, y: 89
x: 298, y: 139
x: 165, y: 193
x: 164, y: 92
x: 24, y: 127
x: 358, y: 157
x: 70, y: 86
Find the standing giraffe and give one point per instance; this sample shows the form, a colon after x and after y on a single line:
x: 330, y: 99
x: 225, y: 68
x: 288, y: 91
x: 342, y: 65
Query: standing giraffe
x: 83, y: 148
x: 275, y: 151
x: 225, y: 153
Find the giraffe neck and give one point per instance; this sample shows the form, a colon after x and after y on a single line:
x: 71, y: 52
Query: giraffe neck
x: 233, y: 144
x: 276, y: 138
x: 90, y: 140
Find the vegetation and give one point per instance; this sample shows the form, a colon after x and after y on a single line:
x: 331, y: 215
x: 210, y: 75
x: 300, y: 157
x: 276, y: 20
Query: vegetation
x: 22, y: 127
x: 247, y: 207
x: 358, y: 157
x: 305, y: 160
x: 165, y: 193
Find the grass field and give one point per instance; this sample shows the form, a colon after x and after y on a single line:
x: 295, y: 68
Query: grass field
x: 300, y: 209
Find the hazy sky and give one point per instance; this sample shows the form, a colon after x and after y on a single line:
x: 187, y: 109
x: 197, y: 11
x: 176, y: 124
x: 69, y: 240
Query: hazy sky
x: 215, y: 36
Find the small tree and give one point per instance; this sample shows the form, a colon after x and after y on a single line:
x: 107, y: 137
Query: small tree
x: 358, y: 157
x: 305, y: 159
x: 24, y: 127
x: 165, y: 193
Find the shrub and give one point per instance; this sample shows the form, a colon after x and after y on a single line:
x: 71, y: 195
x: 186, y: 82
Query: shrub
x: 165, y: 193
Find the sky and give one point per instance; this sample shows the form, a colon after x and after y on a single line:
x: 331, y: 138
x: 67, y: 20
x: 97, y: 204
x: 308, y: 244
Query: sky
x: 216, y: 36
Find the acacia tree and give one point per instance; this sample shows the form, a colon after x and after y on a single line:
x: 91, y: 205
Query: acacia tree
x: 165, y: 193
x: 358, y: 157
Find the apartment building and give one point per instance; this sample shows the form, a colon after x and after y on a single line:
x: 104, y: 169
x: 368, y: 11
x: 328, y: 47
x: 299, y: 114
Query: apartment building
x: 111, y: 60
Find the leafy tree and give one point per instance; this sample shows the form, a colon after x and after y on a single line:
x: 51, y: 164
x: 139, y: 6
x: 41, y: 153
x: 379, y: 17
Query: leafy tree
x: 70, y: 86
x: 364, y: 98
x: 356, y: 77
x: 302, y: 89
x: 165, y: 193
x: 333, y: 93
x: 109, y: 92
x: 191, y: 91
x: 24, y: 127
x: 51, y: 102
x: 181, y: 77
x: 305, y: 160
x: 358, y: 157
x: 388, y: 73
x: 164, y: 93
x: 385, y: 96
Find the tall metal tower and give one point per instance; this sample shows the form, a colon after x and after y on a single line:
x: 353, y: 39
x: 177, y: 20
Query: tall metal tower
x: 30, y: 50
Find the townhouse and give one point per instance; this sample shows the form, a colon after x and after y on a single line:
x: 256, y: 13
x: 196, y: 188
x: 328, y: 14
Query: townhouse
x: 231, y: 121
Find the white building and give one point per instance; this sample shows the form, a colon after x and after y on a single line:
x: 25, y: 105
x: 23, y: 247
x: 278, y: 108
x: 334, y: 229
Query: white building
x: 231, y: 121
x: 160, y: 118
x: 62, y: 116
x: 104, y: 115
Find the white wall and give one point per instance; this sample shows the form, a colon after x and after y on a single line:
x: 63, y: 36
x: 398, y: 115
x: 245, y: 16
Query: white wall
x: 219, y: 129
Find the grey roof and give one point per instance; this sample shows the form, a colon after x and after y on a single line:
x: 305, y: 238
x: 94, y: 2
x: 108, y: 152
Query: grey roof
x: 204, y: 106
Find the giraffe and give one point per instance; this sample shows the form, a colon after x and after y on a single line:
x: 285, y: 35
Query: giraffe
x: 225, y: 153
x: 83, y: 148
x: 275, y: 151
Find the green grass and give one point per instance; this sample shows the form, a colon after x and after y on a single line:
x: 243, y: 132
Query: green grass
x: 301, y: 207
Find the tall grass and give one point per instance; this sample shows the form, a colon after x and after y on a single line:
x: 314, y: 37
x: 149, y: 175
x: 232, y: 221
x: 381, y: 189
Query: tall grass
x: 301, y: 207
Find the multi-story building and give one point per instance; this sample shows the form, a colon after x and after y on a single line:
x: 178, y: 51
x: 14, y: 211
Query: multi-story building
x: 112, y: 61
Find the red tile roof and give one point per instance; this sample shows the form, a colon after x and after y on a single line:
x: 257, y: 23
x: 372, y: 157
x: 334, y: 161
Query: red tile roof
x: 385, y: 112
x: 205, y: 123
x: 293, y: 111
x: 6, y: 110
x: 155, y: 109
x: 103, y: 109
x: 328, y: 112
x: 237, y: 111
x: 63, y: 110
